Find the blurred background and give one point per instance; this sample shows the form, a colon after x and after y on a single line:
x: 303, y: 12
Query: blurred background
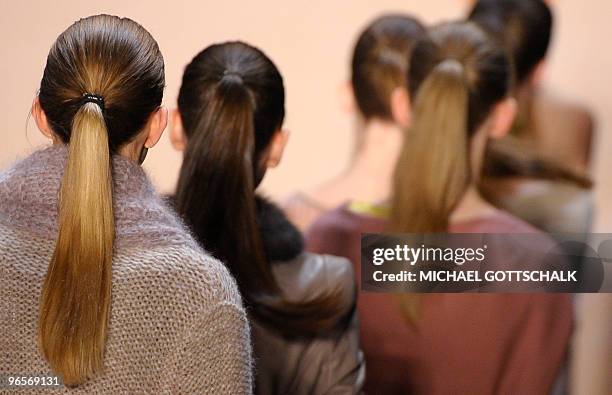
x: 311, y: 42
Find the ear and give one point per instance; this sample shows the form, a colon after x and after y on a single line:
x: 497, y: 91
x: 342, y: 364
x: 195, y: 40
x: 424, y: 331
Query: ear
x: 502, y: 118
x: 400, y: 106
x: 277, y: 147
x: 157, y: 124
x: 177, y: 134
x: 347, y: 97
x: 41, y: 120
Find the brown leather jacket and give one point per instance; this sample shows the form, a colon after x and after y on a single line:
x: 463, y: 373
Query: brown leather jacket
x: 330, y: 363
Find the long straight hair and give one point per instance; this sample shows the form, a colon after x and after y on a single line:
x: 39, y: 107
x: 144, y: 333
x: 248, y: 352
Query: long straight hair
x: 457, y: 75
x: 117, y: 60
x: 438, y: 140
x: 231, y: 103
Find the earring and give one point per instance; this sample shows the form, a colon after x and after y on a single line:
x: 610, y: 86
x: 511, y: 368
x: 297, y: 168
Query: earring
x: 143, y: 155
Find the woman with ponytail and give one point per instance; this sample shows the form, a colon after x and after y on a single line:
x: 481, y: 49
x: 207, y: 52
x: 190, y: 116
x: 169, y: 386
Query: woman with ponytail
x: 231, y: 108
x: 101, y: 286
x: 459, y: 82
x: 539, y: 171
x: 377, y: 98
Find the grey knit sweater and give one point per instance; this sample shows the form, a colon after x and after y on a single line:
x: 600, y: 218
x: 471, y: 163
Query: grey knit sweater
x: 177, y: 324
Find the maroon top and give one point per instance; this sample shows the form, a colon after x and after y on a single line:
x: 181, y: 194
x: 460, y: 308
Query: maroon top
x: 461, y: 343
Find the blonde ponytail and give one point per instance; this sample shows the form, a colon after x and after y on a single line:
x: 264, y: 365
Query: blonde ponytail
x: 76, y: 295
x: 452, y: 98
x: 433, y: 170
x: 103, y: 79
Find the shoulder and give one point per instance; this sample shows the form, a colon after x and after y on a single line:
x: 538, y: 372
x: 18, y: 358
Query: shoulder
x: 339, y: 226
x: 301, y: 209
x: 499, y: 221
x: 184, y: 273
x: 509, y: 223
x: 338, y: 220
x: 312, y: 275
x: 504, y: 222
x: 554, y: 206
x: 565, y: 113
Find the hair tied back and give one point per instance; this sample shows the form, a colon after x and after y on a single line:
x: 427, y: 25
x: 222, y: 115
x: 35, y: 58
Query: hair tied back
x: 93, y: 98
x: 451, y: 66
x: 233, y: 75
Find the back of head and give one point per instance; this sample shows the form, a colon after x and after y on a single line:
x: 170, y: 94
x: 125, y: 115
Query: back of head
x: 103, y: 79
x: 523, y: 26
x: 380, y: 62
x: 231, y: 103
x: 457, y: 75
x: 226, y: 70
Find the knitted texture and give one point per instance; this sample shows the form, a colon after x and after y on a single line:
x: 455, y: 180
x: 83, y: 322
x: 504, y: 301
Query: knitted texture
x: 177, y: 324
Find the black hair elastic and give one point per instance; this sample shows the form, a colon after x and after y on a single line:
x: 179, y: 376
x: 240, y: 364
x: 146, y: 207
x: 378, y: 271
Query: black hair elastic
x: 93, y: 98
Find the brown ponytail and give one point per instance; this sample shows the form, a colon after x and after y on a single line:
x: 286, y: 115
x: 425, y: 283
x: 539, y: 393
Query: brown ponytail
x: 76, y: 295
x: 116, y: 62
x: 221, y: 168
x: 438, y: 141
x: 231, y: 103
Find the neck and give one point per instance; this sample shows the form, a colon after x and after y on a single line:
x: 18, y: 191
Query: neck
x: 368, y: 175
x: 525, y: 95
x: 472, y: 206
x: 374, y: 160
x: 130, y: 151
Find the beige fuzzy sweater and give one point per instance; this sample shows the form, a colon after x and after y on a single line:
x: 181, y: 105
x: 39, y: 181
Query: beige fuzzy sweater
x: 177, y: 324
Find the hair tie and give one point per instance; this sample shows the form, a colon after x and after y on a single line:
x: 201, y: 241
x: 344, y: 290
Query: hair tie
x: 389, y: 56
x: 93, y: 98
x: 450, y: 64
x: 231, y: 73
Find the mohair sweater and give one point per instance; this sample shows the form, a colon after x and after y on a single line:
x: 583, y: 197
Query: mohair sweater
x: 177, y: 324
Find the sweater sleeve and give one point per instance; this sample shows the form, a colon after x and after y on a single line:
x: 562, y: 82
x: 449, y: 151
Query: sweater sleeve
x: 216, y: 354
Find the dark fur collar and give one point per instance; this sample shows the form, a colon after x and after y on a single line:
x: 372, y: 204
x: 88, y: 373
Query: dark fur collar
x: 281, y: 240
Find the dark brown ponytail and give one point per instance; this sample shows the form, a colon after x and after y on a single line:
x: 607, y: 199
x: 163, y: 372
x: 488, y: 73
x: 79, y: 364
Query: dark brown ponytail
x: 216, y: 188
x: 231, y: 103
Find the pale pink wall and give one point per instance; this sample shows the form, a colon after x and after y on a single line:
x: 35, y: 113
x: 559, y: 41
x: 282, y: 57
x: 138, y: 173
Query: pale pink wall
x: 310, y: 41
